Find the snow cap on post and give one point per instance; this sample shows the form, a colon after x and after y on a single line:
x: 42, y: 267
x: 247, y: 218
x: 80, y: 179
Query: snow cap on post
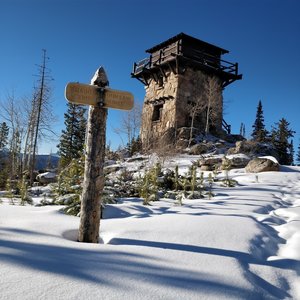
x: 100, y: 78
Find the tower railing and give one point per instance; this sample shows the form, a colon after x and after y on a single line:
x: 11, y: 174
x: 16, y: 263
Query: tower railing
x: 200, y: 57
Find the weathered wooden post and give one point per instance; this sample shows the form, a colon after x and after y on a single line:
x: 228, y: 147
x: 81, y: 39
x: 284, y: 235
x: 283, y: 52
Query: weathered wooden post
x: 99, y: 97
x: 93, y: 182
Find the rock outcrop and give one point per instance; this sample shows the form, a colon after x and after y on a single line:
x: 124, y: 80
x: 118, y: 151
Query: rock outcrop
x: 253, y: 149
x: 262, y: 164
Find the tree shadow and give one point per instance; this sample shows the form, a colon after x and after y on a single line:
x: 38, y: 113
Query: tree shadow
x: 245, y: 259
x: 118, y: 269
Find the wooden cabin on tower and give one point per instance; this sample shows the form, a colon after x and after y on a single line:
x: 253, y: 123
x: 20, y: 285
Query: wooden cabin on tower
x: 180, y: 74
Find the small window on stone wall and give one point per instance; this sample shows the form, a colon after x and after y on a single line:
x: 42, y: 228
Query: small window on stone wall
x: 157, y: 112
x: 160, y: 81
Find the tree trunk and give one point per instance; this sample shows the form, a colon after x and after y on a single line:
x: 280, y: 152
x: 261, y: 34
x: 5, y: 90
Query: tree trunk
x: 192, y: 128
x: 93, y: 182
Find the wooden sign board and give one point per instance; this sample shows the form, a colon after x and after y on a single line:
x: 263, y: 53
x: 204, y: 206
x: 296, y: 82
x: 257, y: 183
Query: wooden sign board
x: 87, y: 94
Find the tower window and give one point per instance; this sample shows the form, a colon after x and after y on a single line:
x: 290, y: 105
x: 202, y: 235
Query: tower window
x: 160, y: 81
x: 157, y: 112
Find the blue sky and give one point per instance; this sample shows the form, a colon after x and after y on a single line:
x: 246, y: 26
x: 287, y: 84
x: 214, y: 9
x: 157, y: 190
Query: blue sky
x: 262, y: 36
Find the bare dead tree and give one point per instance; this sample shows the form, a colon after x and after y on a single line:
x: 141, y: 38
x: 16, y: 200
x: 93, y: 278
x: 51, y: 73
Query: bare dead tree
x: 39, y: 118
x: 11, y: 112
x: 130, y: 123
x: 207, y: 106
x: 212, y: 94
x: 194, y: 109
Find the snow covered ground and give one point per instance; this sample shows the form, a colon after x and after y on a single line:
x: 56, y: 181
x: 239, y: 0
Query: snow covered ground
x: 242, y: 244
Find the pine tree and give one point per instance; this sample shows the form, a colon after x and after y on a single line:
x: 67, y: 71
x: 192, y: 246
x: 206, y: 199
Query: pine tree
x: 280, y: 139
x: 135, y: 145
x: 259, y: 132
x: 291, y: 153
x: 73, y: 137
x: 4, y: 165
x: 243, y: 130
x: 3, y: 135
x: 298, y: 155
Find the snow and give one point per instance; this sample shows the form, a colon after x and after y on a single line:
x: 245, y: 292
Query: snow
x: 49, y: 175
x: 244, y: 243
x: 272, y: 158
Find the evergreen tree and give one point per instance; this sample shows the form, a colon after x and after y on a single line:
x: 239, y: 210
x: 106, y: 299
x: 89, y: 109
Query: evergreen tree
x: 259, y: 132
x: 243, y: 130
x: 3, y: 135
x: 281, y: 135
x: 4, y: 165
x: 291, y: 152
x: 135, y: 145
x: 298, y: 155
x: 73, y: 137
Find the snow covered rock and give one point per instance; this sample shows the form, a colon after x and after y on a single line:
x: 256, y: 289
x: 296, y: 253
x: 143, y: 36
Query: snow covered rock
x: 210, y: 163
x: 252, y: 148
x: 202, y: 148
x: 47, y: 177
x: 262, y: 164
x: 237, y: 161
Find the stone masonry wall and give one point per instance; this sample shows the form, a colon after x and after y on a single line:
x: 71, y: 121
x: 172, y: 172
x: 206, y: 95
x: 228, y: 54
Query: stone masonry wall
x: 156, y: 96
x: 192, y: 87
x: 167, y: 106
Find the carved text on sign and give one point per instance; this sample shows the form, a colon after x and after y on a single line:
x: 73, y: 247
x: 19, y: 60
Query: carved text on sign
x: 87, y: 94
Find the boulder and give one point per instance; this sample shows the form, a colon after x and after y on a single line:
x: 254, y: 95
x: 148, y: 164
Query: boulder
x: 47, y: 177
x: 202, y: 148
x: 210, y: 163
x: 262, y: 164
x: 253, y: 149
x: 237, y: 161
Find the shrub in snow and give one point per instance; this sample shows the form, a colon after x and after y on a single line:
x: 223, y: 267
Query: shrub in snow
x: 67, y: 199
x: 149, y: 184
x: 23, y: 188
x: 70, y: 176
x: 9, y: 192
x: 73, y: 208
x: 179, y: 198
x: 169, y: 180
x: 226, y: 166
x: 125, y: 175
x: 210, y: 184
x: 194, y: 195
x: 46, y: 201
x: 171, y: 195
x: 176, y: 177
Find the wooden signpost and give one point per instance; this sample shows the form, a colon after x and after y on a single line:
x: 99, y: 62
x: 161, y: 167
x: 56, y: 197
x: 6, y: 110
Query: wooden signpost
x: 87, y: 94
x: 99, y: 97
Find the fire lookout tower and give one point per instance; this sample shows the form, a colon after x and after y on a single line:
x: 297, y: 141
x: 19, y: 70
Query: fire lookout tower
x: 175, y: 77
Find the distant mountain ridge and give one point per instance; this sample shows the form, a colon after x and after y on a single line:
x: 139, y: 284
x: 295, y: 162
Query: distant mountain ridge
x: 43, y: 161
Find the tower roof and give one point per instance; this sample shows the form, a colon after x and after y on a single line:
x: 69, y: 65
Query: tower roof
x: 189, y: 39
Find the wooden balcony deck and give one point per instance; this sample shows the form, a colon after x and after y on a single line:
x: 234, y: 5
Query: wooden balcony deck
x: 204, y: 61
